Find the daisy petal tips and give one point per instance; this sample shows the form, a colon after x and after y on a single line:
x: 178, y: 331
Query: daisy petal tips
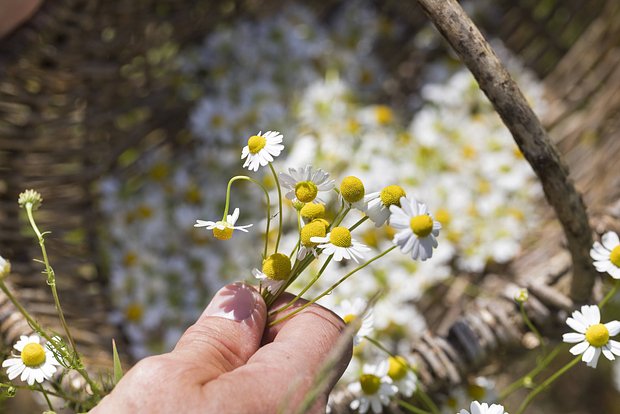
x: 484, y: 408
x: 261, y: 150
x: 606, y: 255
x: 591, y: 336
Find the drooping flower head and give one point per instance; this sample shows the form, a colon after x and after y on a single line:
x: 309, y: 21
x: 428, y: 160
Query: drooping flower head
x: 340, y: 243
x: 379, y: 203
x: 275, y: 271
x: 592, y: 337
x: 35, y: 362
x: 484, y: 408
x: 261, y: 149
x: 305, y: 184
x: 607, y: 255
x: 417, y: 230
x: 223, y: 230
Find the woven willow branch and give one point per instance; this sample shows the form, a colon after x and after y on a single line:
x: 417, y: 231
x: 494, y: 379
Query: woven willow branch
x: 507, y: 99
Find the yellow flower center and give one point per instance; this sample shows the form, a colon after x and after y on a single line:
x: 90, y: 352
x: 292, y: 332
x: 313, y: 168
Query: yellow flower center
x: 597, y: 335
x: 312, y: 229
x: 33, y: 355
x: 340, y: 237
x: 443, y: 216
x: 222, y: 234
x: 614, y: 257
x: 397, y: 367
x: 391, y: 195
x: 277, y: 266
x: 256, y: 143
x: 352, y: 189
x: 370, y: 383
x: 349, y: 318
x: 134, y: 312
x: 312, y: 211
x: 306, y: 191
x: 421, y: 225
x: 384, y: 114
x: 130, y: 259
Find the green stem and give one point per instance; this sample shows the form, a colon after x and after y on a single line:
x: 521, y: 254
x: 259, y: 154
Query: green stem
x: 51, y: 281
x: 532, y: 374
x: 360, y: 221
x: 546, y: 383
x: 290, y: 257
x: 275, y: 177
x: 411, y: 408
x: 609, y: 294
x: 532, y: 328
x: 227, y: 205
x: 304, y: 290
x: 337, y: 222
x: 47, y: 399
x: 331, y: 288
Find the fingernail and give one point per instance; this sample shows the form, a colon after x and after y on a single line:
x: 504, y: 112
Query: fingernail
x: 236, y: 302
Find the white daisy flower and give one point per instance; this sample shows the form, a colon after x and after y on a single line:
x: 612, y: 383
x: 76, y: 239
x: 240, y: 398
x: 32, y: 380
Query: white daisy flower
x: 275, y: 272
x: 223, y: 230
x: 607, y: 255
x: 379, y: 203
x: 35, y: 362
x: 592, y: 337
x: 401, y: 375
x: 339, y: 243
x: 372, y: 390
x: 304, y: 184
x: 484, y: 408
x: 351, y: 311
x: 418, y: 229
x: 261, y: 149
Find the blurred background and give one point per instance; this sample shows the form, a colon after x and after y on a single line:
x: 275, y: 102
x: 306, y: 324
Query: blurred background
x: 129, y: 117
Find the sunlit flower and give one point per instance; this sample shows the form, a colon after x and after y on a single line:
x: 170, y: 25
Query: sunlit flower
x: 379, y: 203
x: 275, y: 272
x: 339, y: 243
x: 372, y: 390
x: 484, y: 408
x: 401, y: 375
x: 351, y: 311
x: 417, y: 228
x: 34, y: 362
x: 311, y: 211
x: 261, y: 149
x: 223, y: 230
x: 304, y: 184
x: 607, y: 255
x: 592, y: 337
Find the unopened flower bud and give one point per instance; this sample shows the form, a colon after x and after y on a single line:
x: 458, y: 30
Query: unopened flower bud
x: 521, y: 296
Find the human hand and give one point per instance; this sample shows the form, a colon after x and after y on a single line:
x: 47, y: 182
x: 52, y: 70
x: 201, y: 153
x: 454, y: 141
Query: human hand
x: 230, y: 362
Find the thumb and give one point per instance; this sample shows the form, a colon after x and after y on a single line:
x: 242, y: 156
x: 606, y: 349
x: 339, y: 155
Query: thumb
x: 227, y: 334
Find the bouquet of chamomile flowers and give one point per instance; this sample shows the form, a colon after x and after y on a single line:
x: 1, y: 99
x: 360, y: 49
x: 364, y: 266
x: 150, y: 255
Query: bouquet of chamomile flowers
x: 320, y: 232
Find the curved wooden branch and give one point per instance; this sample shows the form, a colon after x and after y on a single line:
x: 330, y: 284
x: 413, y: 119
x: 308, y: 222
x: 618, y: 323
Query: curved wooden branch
x: 530, y: 136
